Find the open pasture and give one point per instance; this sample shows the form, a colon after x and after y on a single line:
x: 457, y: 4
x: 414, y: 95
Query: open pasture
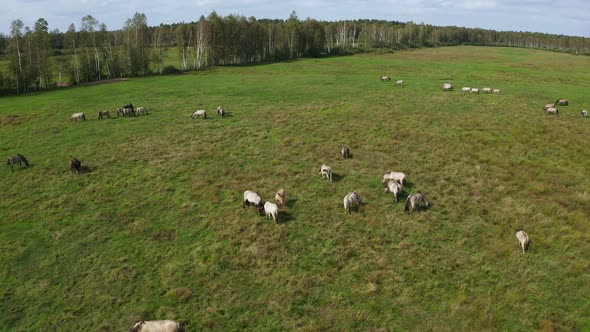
x: 153, y: 227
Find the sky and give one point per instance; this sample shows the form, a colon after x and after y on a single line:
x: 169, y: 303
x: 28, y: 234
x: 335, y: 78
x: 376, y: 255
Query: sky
x: 567, y: 17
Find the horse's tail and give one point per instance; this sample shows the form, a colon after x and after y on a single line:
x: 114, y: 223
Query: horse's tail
x: 407, y: 207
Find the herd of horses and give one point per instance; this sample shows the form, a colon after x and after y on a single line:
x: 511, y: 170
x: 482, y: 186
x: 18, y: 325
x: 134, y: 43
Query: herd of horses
x: 126, y: 111
x: 393, y: 182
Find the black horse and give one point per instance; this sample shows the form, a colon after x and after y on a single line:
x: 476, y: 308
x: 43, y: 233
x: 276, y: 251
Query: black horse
x: 17, y: 159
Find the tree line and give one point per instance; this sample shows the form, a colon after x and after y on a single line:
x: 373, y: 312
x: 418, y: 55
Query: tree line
x: 39, y: 58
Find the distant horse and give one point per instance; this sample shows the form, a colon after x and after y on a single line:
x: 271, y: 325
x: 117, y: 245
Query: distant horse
x: 413, y: 200
x: 157, y: 326
x: 221, y: 111
x: 280, y: 197
x: 552, y: 110
x: 75, y: 165
x: 385, y: 78
x: 77, y: 116
x: 395, y: 188
x: 199, y: 113
x: 561, y: 102
x: 17, y: 159
x: 326, y: 171
x: 523, y: 239
x: 345, y: 152
x: 400, y: 82
x: 352, y: 199
x: 141, y: 111
x: 584, y: 113
x: 103, y: 114
x: 447, y: 87
x: 252, y: 198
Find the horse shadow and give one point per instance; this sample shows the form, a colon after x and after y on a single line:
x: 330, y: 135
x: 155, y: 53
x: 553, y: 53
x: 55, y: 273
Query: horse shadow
x: 285, y: 217
x: 337, y: 177
x: 85, y: 169
x: 291, y: 202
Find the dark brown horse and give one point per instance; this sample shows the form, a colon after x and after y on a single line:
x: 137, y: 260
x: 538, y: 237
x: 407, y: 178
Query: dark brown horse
x: 17, y: 159
x: 75, y: 165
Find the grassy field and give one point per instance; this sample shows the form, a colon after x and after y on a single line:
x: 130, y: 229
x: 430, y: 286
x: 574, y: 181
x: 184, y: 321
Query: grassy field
x: 154, y: 228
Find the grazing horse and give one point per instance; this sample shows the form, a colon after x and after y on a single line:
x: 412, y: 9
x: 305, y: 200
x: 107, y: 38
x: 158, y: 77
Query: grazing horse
x: 221, y: 111
x: 584, y: 113
x: 17, y: 159
x: 496, y: 91
x: 552, y: 110
x: 447, y: 87
x: 400, y: 82
x: 466, y: 89
x: 280, y: 197
x: 474, y: 90
x: 561, y: 102
x: 75, y: 165
x: 199, y: 113
x: 77, y: 116
x: 523, y: 239
x: 345, y: 152
x: 394, y: 188
x: 399, y: 177
x: 547, y: 106
x: 486, y: 90
x: 413, y: 200
x: 272, y: 211
x: 103, y: 114
x: 252, y: 198
x: 385, y: 78
x: 157, y: 326
x: 141, y: 111
x: 352, y: 199
x: 326, y: 171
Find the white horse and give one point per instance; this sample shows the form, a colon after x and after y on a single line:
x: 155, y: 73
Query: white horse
x: 77, y: 117
x: 447, y: 87
x: 465, y: 89
x: 252, y: 198
x: 141, y: 111
x: 272, y: 211
x: 398, y: 177
x: 552, y: 110
x: 414, y: 200
x: 496, y: 91
x: 394, y: 188
x: 547, y: 106
x: 474, y: 90
x: 584, y: 113
x: 486, y: 90
x: 326, y: 171
x: 221, y: 111
x: 561, y: 102
x: 157, y: 326
x: 199, y: 113
x: 352, y: 199
x: 523, y: 239
x: 385, y: 78
x: 400, y: 82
